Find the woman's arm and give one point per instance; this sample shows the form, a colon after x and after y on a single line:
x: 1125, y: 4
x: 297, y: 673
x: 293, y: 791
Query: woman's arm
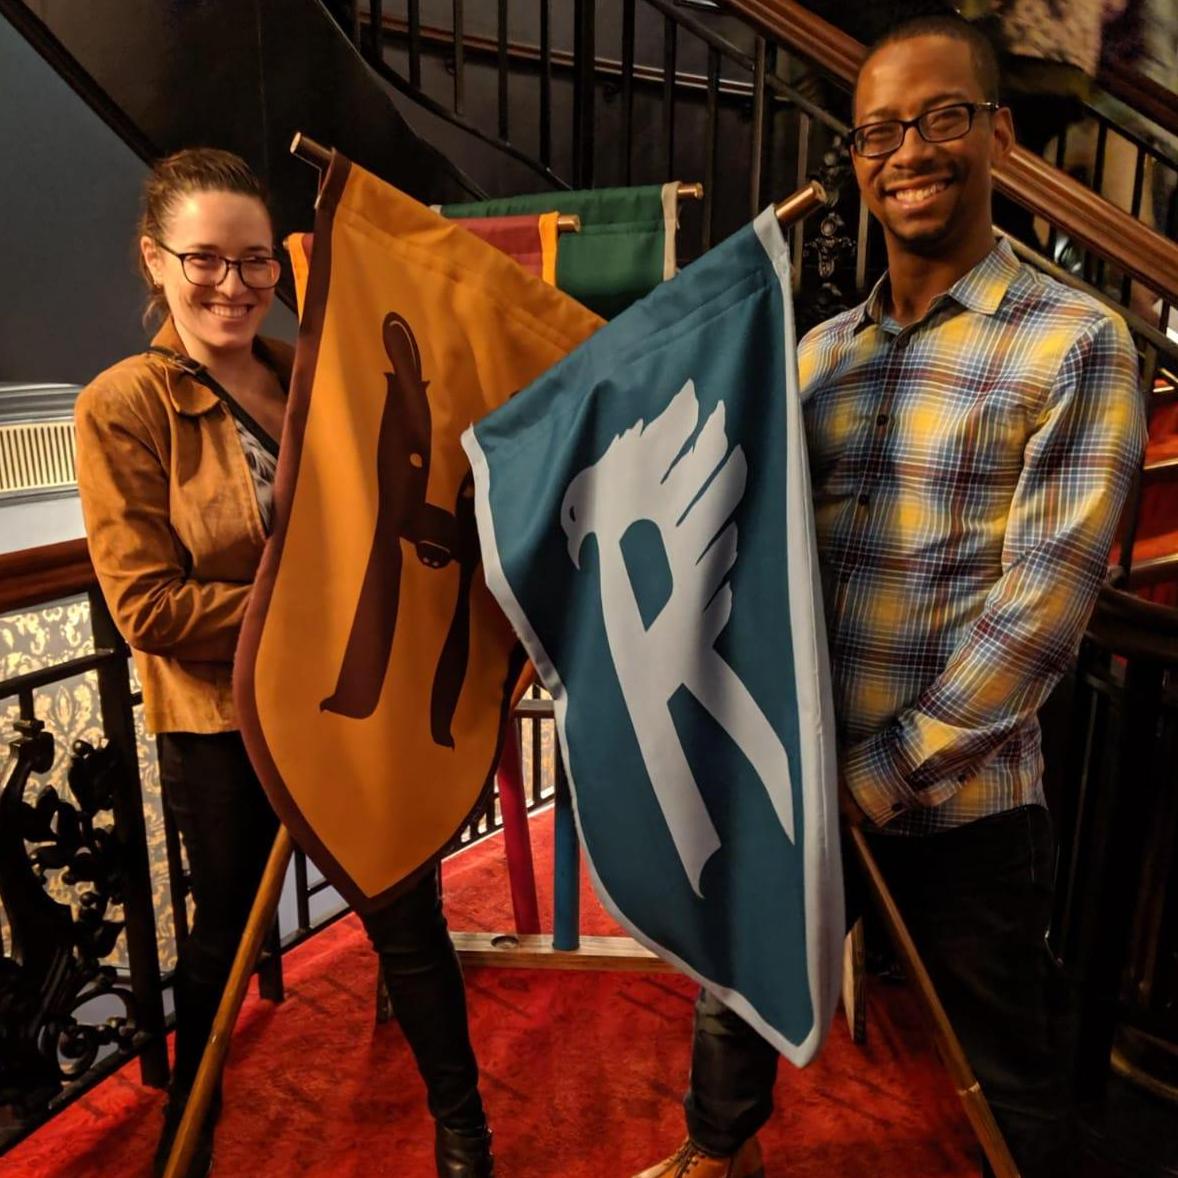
x: 141, y: 565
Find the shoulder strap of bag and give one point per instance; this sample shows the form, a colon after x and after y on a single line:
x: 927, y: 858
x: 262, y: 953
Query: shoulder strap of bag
x: 200, y: 373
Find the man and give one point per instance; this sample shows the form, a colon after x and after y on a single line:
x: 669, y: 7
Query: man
x: 973, y: 428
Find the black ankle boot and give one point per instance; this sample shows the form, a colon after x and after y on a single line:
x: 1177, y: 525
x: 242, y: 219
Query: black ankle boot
x: 464, y: 1155
x: 202, y: 1157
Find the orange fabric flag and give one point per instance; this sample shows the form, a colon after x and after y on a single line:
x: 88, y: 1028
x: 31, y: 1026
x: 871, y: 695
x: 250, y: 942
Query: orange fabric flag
x: 298, y: 245
x: 375, y: 671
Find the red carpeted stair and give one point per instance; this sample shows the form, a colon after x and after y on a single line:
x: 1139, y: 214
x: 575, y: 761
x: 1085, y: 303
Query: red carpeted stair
x: 582, y: 1074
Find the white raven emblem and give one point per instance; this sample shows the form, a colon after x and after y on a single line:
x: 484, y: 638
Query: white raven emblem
x: 689, y: 492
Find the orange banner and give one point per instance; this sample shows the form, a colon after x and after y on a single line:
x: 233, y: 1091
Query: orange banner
x: 375, y: 670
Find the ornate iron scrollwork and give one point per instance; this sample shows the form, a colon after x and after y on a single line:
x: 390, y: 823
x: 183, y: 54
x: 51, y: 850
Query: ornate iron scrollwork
x: 833, y: 249
x: 53, y: 967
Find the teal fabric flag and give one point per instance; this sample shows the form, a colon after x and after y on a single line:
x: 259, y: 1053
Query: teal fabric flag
x: 645, y: 519
x: 625, y: 248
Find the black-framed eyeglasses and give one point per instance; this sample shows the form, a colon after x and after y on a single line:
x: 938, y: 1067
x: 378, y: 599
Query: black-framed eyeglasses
x: 201, y: 268
x: 939, y: 125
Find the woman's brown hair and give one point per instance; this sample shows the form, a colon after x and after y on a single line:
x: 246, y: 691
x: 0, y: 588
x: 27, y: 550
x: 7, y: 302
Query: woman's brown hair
x: 196, y: 169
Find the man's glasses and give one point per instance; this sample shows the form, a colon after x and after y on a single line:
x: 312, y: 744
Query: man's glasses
x: 939, y: 125
x: 205, y: 269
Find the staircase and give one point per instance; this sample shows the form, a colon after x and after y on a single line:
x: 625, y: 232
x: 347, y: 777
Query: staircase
x: 752, y: 97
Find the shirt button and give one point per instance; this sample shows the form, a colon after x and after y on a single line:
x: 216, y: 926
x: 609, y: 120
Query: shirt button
x: 882, y: 419
x: 864, y: 499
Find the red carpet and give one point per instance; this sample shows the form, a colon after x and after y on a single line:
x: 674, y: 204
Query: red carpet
x: 582, y: 1075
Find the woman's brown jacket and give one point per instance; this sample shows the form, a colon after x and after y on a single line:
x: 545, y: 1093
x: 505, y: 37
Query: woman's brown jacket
x: 174, y: 529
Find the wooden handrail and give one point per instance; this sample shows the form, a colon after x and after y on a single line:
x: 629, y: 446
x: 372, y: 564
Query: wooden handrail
x: 34, y: 576
x: 1142, y: 93
x: 1128, y: 244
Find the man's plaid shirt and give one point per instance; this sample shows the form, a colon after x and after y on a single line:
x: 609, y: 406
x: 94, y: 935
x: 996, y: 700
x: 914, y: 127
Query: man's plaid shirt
x: 968, y: 474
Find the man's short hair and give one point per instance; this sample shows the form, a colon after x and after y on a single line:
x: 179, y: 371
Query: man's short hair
x: 981, y: 51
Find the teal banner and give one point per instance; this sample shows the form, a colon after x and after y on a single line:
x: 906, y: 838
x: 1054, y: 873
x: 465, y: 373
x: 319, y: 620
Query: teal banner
x: 646, y: 524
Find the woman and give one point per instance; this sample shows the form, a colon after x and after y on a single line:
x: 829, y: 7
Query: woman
x: 175, y: 473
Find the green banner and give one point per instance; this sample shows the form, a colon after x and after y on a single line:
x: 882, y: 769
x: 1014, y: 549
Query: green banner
x: 625, y: 248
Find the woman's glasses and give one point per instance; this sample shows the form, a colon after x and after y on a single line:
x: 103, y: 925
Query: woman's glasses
x: 202, y: 268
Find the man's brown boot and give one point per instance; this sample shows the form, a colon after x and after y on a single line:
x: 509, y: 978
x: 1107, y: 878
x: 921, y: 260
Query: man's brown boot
x: 689, y: 1161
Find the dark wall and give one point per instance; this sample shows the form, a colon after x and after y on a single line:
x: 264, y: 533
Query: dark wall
x: 239, y: 74
x: 71, y: 303
x: 73, y: 299
x: 245, y: 75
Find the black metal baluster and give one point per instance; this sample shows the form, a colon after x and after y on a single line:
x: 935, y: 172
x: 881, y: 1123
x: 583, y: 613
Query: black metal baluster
x: 459, y: 59
x: 537, y: 757
x: 130, y: 832
x: 771, y: 106
x: 803, y: 169
x: 710, y: 173
x: 1061, y: 148
x: 375, y: 43
x: 566, y: 863
x: 270, y: 984
x: 758, y: 144
x: 415, y: 44
x: 1094, y: 265
x: 545, y: 84
x: 502, y: 65
x: 670, y: 58
x: 1171, y: 233
x: 1135, y: 212
x: 302, y: 894
x: 371, y: 43
x: 584, y: 85
x: 627, y: 89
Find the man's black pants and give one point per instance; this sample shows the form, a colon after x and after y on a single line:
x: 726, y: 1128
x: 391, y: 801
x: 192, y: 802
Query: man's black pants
x: 977, y: 901
x: 228, y: 828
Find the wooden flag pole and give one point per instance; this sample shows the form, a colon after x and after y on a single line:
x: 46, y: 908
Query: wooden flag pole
x: 977, y: 1108
x: 212, y: 1062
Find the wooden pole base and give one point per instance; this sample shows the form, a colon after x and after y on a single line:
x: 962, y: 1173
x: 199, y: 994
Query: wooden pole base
x: 535, y: 951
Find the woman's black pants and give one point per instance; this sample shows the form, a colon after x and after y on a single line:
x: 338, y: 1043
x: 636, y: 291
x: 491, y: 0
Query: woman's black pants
x: 228, y: 828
